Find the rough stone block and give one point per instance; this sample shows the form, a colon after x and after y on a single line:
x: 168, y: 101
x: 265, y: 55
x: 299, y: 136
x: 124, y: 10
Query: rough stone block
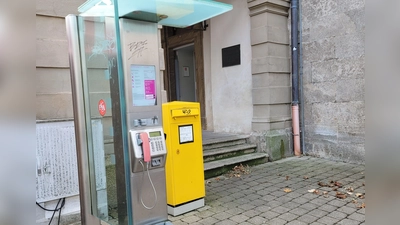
x: 350, y: 90
x: 314, y: 9
x: 351, y: 113
x: 331, y: 26
x: 307, y: 73
x: 351, y: 134
x: 320, y: 92
x: 345, y: 5
x: 277, y: 143
x: 350, y: 46
x: 319, y: 50
x: 321, y: 134
x: 325, y: 114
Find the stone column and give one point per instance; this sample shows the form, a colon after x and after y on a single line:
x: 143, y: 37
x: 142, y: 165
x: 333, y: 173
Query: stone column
x: 271, y: 91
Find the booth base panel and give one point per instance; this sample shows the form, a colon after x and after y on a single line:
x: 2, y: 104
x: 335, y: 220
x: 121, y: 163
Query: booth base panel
x: 186, y: 207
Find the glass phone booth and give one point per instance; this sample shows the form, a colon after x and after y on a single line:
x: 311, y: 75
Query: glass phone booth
x: 116, y: 64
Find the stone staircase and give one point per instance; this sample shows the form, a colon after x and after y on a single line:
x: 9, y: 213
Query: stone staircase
x: 221, y: 152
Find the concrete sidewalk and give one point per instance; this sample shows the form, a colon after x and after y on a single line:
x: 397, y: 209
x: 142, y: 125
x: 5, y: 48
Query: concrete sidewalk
x: 282, y: 192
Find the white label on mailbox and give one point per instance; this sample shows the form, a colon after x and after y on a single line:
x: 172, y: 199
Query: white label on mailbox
x: 185, y: 134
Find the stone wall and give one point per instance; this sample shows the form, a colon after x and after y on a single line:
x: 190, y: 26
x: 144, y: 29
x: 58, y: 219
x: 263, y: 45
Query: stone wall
x: 333, y: 34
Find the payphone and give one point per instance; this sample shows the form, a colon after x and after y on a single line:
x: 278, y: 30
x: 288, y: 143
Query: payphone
x: 148, y: 175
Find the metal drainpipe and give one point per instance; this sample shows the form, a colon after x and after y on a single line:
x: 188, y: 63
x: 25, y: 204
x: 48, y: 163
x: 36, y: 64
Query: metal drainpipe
x: 301, y: 97
x: 295, y: 81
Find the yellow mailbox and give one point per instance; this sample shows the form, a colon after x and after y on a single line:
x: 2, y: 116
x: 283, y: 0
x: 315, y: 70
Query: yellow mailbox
x: 184, y: 166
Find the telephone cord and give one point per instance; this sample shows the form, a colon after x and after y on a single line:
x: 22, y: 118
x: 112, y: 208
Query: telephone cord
x: 152, y: 185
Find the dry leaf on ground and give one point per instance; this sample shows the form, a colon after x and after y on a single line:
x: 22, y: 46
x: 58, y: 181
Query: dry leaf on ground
x: 287, y: 190
x: 340, y: 195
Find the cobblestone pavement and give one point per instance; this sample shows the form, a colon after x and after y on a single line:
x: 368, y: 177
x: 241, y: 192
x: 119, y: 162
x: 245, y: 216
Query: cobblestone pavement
x: 282, y: 192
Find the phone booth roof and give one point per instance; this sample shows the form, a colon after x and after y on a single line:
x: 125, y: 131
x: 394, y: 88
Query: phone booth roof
x: 173, y: 13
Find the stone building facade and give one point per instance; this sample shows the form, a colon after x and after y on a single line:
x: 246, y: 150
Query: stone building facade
x: 333, y: 36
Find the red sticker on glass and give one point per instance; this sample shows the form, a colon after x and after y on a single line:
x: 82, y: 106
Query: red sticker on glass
x: 102, y: 107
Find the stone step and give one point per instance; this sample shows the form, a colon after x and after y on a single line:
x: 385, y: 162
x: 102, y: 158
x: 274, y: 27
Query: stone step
x: 228, y: 152
x: 220, y: 142
x: 218, y: 167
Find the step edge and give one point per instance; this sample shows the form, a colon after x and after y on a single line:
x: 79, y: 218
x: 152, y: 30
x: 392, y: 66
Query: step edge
x: 225, y: 139
x: 234, y: 148
x: 226, y: 162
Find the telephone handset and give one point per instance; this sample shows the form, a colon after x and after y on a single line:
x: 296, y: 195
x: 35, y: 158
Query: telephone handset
x: 145, y: 143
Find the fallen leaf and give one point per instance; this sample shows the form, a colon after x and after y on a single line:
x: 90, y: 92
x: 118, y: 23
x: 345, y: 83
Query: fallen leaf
x: 341, y: 195
x: 311, y: 190
x: 335, y: 189
x: 363, y: 184
x: 361, y: 206
x: 287, y: 177
x: 359, y: 195
x: 305, y: 177
x: 325, y: 194
x: 349, y: 193
x: 279, y: 174
x: 287, y: 190
x: 217, y: 178
x: 322, y: 184
x: 354, y: 201
x: 350, y: 189
x: 338, y: 184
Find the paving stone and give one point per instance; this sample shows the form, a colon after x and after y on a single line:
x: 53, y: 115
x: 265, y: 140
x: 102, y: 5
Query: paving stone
x: 328, y: 220
x: 256, y: 220
x: 357, y: 216
x: 239, y: 218
x: 280, y: 209
x: 207, y: 221
x: 347, y: 210
x: 348, y: 222
x: 309, y: 206
x: 296, y: 222
x: 337, y: 203
x: 288, y: 216
x: 307, y: 218
x: 301, y: 200
x: 328, y: 208
x: 190, y: 219
x: 251, y: 213
x: 246, y: 206
x: 316, y: 223
x: 337, y: 215
x: 180, y: 223
x: 235, y: 211
x: 299, y: 211
x: 276, y: 221
x: 225, y: 222
x: 222, y: 216
x: 319, y: 201
x: 269, y: 215
x: 263, y: 208
x: 317, y: 213
x: 290, y: 205
x: 205, y: 214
